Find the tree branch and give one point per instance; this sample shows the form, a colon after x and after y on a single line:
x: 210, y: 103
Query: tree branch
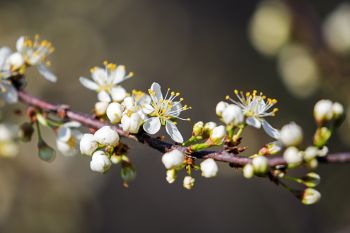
x: 155, y: 143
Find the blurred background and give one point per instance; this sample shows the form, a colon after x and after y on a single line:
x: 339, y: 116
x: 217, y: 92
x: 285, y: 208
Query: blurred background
x: 296, y: 51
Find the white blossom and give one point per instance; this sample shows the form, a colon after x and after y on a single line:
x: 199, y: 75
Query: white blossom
x: 209, y: 168
x: 255, y: 108
x: 107, y: 136
x: 310, y: 196
x: 114, y: 112
x: 218, y: 134
x: 232, y: 115
x: 68, y: 138
x: 7, y: 92
x: 188, y: 182
x: 100, y: 162
x: 106, y: 82
x: 293, y: 156
x: 101, y: 108
x: 323, y: 110
x: 220, y: 108
x: 291, y: 134
x: 88, y: 144
x: 173, y: 159
x: 35, y: 53
x: 171, y: 176
x: 131, y: 122
x: 163, y: 111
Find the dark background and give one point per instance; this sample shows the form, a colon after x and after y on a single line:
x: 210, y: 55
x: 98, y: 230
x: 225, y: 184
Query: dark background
x: 200, y: 48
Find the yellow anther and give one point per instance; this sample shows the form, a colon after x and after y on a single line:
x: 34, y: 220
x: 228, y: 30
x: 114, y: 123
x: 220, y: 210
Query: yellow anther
x: 228, y: 97
x: 236, y: 91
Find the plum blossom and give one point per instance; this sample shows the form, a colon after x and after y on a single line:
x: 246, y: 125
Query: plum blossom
x: 68, y: 138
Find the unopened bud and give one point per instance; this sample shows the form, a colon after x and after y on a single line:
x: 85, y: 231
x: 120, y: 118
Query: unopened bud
x: 310, y: 196
x: 101, y: 108
x: 198, y: 128
x: 311, y: 179
x: 171, y: 176
x: 218, y: 135
x: 260, y: 164
x: 220, y: 108
x: 188, y: 182
x: 248, y: 171
x: 291, y: 134
x: 293, y: 156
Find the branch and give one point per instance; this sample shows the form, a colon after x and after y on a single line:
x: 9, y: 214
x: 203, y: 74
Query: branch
x: 156, y: 143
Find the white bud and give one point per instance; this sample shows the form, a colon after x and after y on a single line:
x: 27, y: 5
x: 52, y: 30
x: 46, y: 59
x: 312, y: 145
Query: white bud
x: 218, y: 134
x: 88, y: 144
x: 15, y: 60
x: 311, y: 153
x: 100, y: 162
x: 310, y: 196
x: 198, y: 128
x: 293, y: 156
x: 260, y: 164
x: 323, y: 110
x: 173, y: 159
x: 323, y: 152
x: 114, y: 112
x: 188, y: 182
x: 171, y: 176
x: 232, y: 115
x: 291, y: 134
x: 248, y: 171
x: 131, y: 123
x: 220, y: 107
x: 338, y: 110
x: 101, y: 108
x: 107, y: 136
x: 208, y: 128
x: 209, y: 168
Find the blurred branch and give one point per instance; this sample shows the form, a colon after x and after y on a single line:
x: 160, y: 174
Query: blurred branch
x: 89, y: 121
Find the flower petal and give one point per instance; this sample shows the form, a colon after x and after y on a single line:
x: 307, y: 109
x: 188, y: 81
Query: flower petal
x: 72, y: 124
x: 272, y: 132
x: 173, y: 132
x: 152, y: 125
x: 118, y: 75
x: 148, y: 109
x: 8, y: 92
x: 103, y: 96
x: 5, y: 52
x: 176, y: 109
x: 46, y: 73
x: 20, y: 44
x: 118, y: 93
x: 99, y: 75
x: 157, y: 90
x: 88, y: 84
x: 252, y: 121
x: 64, y: 134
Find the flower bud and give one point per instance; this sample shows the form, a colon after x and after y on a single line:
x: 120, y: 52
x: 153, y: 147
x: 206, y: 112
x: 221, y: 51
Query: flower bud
x: 323, y: 152
x: 128, y: 174
x: 323, y: 111
x: 312, y: 164
x: 101, y: 108
x: 338, y: 110
x: 220, y: 107
x: 107, y: 136
x: 100, y: 162
x: 291, y: 134
x: 209, y: 168
x: 322, y: 136
x: 46, y: 153
x: 293, y: 156
x: 131, y: 123
x: 188, y: 182
x: 311, y: 153
x: 173, y: 159
x: 271, y: 148
x: 218, y: 135
x: 310, y: 196
x: 171, y: 176
x: 118, y: 93
x: 208, y: 128
x: 311, y: 180
x: 15, y: 60
x: 198, y: 128
x: 88, y: 144
x: 232, y: 115
x: 114, y: 112
x: 260, y: 164
x: 248, y: 171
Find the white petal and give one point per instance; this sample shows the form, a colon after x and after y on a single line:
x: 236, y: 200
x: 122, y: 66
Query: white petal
x: 176, y: 109
x: 99, y: 75
x: 46, y: 73
x: 173, y: 132
x: 118, y: 93
x: 8, y: 92
x: 272, y: 132
x: 5, y: 52
x: 157, y: 90
x: 103, y: 96
x: 88, y: 84
x: 252, y: 121
x: 72, y: 124
x: 118, y: 75
x: 20, y: 43
x: 64, y: 134
x: 145, y: 99
x: 148, y: 109
x: 152, y: 125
